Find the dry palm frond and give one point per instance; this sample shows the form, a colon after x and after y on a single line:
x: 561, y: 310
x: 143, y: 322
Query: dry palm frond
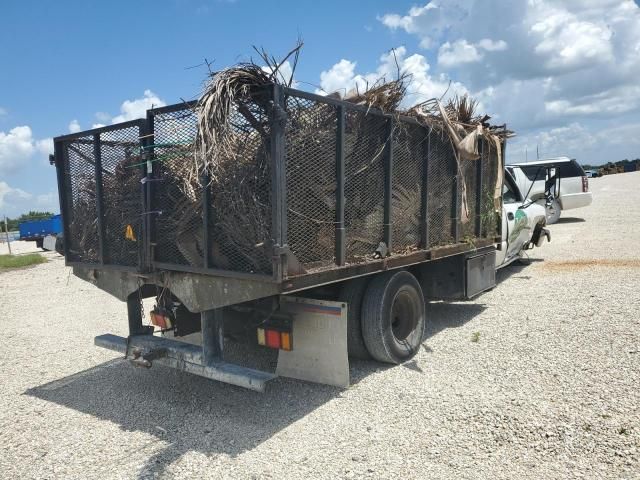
x: 462, y: 109
x: 383, y: 95
x: 232, y: 151
x: 224, y: 92
x: 230, y: 90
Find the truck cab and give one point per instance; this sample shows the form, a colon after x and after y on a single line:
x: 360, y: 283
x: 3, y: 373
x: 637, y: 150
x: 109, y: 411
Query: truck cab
x: 523, y: 222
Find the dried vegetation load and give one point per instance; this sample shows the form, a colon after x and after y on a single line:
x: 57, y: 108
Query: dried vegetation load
x: 231, y: 154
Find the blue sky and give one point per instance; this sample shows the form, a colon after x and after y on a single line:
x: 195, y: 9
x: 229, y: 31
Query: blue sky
x: 72, y: 64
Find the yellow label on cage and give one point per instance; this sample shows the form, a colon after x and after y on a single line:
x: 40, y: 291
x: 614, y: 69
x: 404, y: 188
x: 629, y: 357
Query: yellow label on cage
x: 128, y: 233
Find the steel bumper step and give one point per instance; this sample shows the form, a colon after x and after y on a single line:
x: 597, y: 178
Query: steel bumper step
x: 189, y: 358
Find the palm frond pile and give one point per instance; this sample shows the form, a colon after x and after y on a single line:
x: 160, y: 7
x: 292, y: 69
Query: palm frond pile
x: 230, y: 156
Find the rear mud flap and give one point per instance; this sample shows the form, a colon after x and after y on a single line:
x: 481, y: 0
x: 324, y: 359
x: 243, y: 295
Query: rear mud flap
x: 319, y: 342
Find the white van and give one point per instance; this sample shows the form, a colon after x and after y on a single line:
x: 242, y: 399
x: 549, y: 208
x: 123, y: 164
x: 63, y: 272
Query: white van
x: 558, y: 183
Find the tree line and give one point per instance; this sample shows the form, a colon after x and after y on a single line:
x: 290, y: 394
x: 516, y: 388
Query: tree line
x: 31, y: 215
x: 619, y: 163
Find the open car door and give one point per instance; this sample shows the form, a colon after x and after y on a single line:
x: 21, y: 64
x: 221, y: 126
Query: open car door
x: 515, y: 225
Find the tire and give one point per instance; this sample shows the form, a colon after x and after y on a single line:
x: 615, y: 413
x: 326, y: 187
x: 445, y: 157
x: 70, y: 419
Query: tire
x: 39, y: 243
x: 393, y: 317
x: 352, y: 293
x: 553, y: 212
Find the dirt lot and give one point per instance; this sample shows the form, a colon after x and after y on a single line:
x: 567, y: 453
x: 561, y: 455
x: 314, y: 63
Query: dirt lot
x: 539, y: 378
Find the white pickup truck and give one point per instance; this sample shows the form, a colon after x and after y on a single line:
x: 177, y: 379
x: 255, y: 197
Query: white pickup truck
x: 557, y: 184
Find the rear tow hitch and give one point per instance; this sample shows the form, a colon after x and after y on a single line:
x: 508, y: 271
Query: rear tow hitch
x: 145, y: 359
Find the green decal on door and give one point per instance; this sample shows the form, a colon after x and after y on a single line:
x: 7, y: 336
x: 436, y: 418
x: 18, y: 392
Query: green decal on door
x: 520, y: 224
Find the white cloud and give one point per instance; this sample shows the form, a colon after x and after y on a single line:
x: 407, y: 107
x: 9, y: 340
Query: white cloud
x: 15, y: 201
x: 285, y: 73
x: 103, y: 117
x: 342, y: 77
x: 16, y: 147
x: 567, y: 43
x: 3, y: 112
x: 458, y: 53
x: 137, y: 108
x: 461, y: 52
x: 97, y: 125
x: 558, y: 61
x: 492, y: 45
x: 74, y: 126
x: 9, y: 195
x: 44, y: 146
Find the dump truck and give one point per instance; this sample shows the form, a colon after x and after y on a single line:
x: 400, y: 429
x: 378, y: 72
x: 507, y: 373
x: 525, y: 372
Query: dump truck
x: 354, y: 219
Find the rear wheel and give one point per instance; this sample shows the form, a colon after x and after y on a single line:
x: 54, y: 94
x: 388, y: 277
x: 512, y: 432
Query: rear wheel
x: 393, y: 317
x: 352, y: 293
x: 553, y: 211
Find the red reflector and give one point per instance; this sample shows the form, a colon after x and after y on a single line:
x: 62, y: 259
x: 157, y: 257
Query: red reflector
x: 160, y: 321
x: 273, y: 338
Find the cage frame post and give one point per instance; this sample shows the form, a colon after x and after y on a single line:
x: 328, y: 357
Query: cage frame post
x: 424, y: 204
x: 388, y: 184
x: 148, y: 140
x: 278, y: 183
x: 478, y: 219
x: 59, y: 153
x: 97, y: 163
x: 455, y: 204
x: 340, y: 252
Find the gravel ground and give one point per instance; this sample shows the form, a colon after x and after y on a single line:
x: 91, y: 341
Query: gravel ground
x: 538, y: 378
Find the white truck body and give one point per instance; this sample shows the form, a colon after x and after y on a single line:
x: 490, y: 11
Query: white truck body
x: 572, y: 190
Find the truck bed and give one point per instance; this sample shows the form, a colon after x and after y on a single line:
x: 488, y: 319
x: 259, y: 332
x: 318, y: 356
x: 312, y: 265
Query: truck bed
x: 323, y: 190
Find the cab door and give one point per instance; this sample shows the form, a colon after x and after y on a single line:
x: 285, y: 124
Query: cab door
x: 515, y: 224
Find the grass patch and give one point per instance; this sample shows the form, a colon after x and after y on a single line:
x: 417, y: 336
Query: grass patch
x: 475, y: 337
x: 19, y: 261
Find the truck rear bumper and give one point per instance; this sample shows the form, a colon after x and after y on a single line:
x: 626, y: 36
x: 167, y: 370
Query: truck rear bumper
x: 575, y: 200
x: 188, y: 358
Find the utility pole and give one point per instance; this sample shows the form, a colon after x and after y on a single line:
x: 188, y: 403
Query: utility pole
x: 6, y: 231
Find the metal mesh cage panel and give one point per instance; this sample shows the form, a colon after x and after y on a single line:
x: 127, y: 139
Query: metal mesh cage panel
x: 238, y: 199
x: 410, y: 149
x: 365, y: 138
x: 310, y: 142
x: 81, y: 212
x: 121, y: 195
x: 238, y: 193
x: 241, y: 204
x: 442, y: 171
x: 489, y: 225
x: 176, y: 203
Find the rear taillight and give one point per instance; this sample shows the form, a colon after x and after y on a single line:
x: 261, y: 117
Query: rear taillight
x: 585, y: 184
x: 272, y: 338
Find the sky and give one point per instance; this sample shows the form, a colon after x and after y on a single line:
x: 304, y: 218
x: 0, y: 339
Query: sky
x: 562, y: 73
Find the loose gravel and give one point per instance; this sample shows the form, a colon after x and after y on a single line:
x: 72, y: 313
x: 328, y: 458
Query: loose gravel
x: 538, y: 378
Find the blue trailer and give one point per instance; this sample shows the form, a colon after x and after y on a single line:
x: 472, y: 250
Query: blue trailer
x: 37, y: 230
